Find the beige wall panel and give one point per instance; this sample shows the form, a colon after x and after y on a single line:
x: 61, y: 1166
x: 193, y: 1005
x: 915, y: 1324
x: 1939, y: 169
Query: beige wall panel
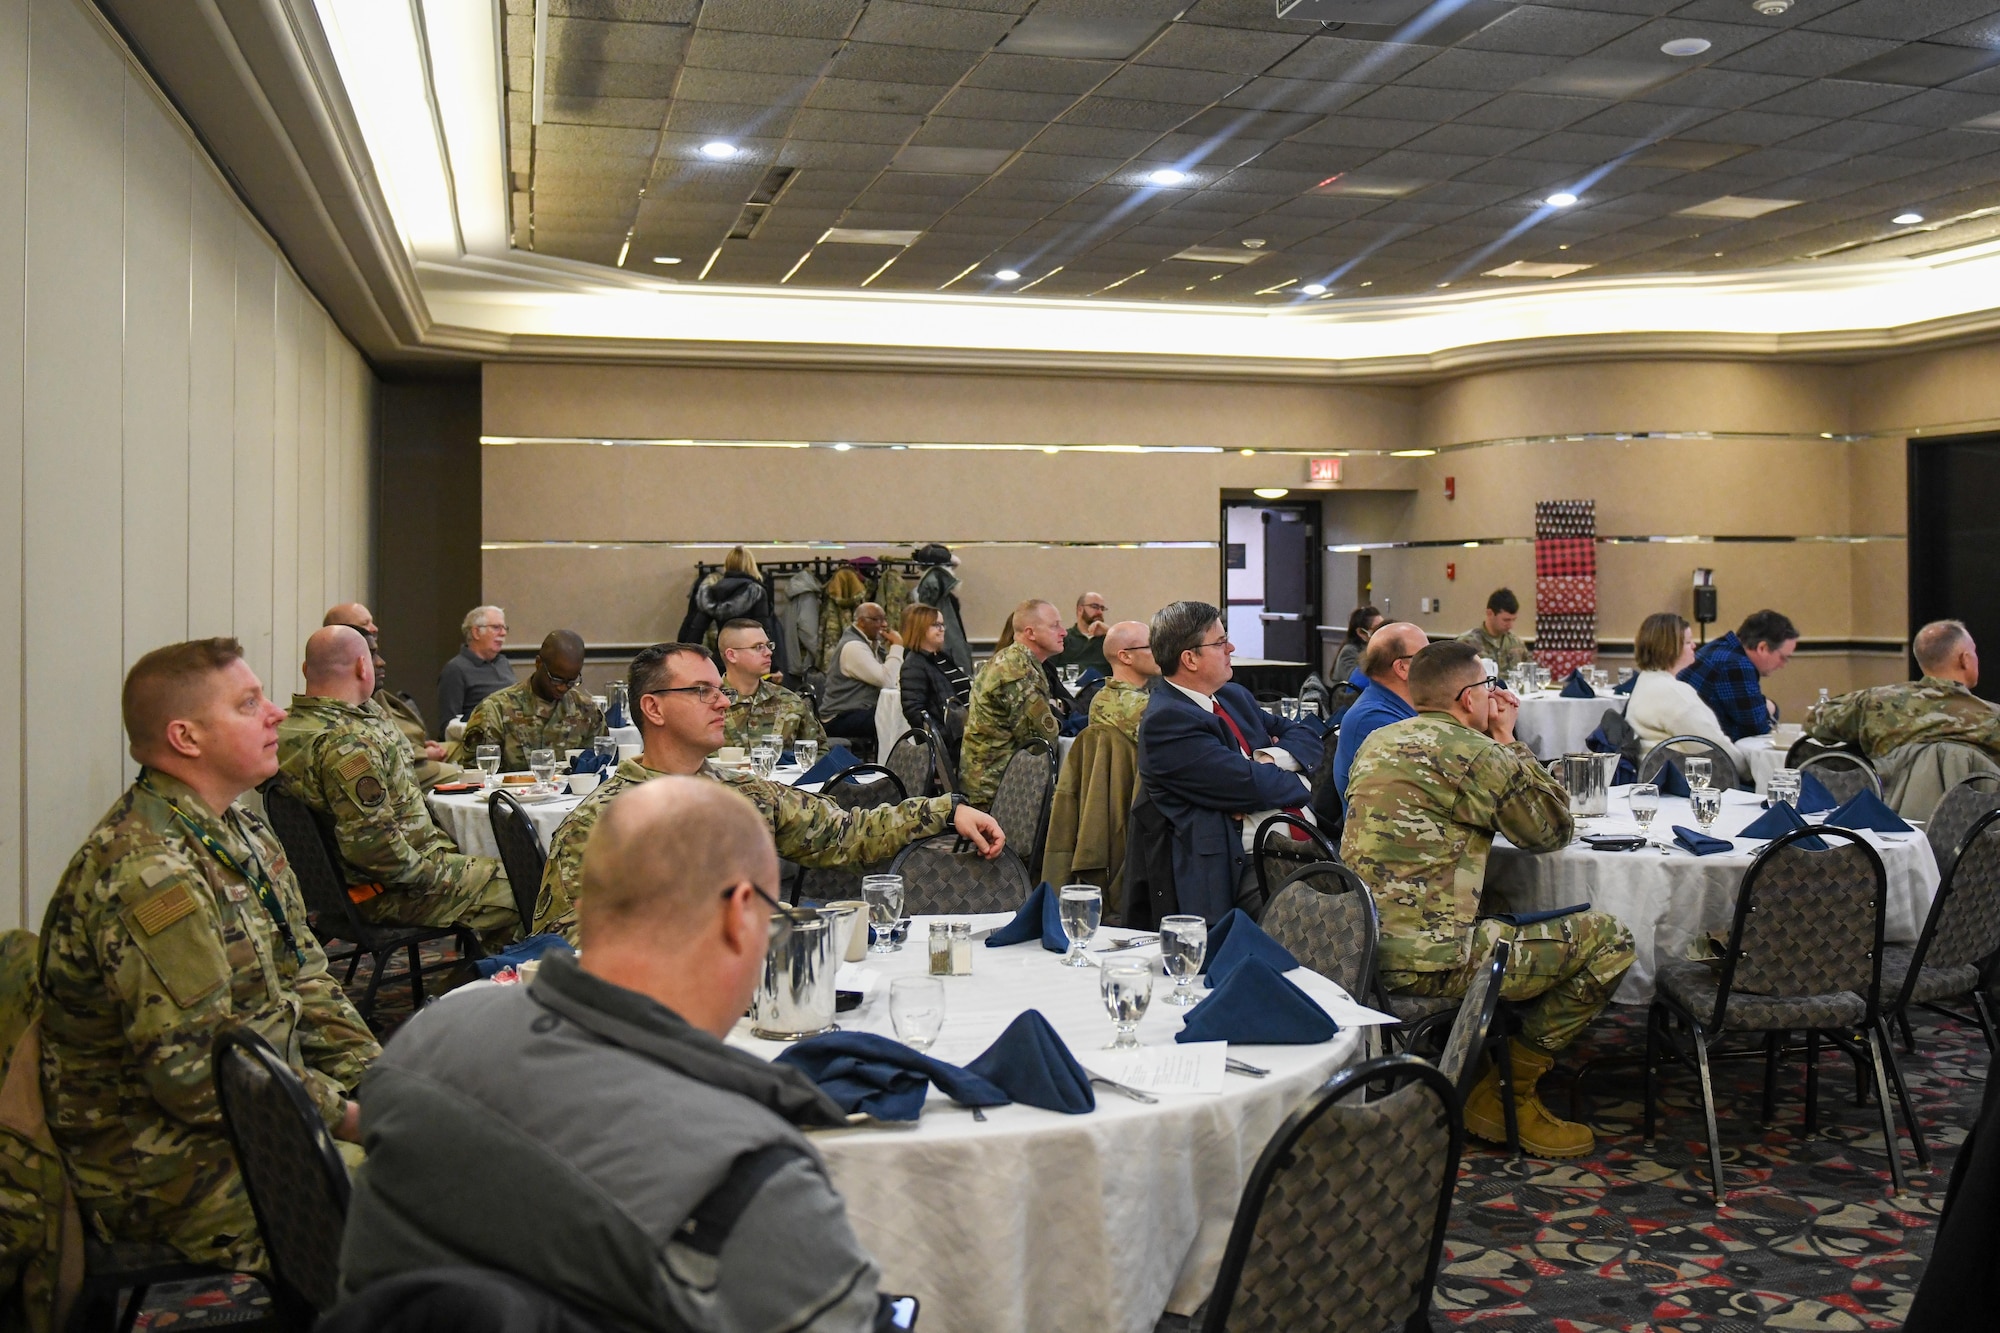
x: 1635, y: 396
x: 15, y: 898
x: 1880, y: 583
x: 287, y: 642
x: 211, y: 557
x: 256, y: 276
x: 72, y: 423
x: 311, y: 579
x: 1879, y: 486
x: 1959, y: 386
x: 335, y: 469
x: 663, y: 402
x: 1404, y: 577
x: 357, y: 487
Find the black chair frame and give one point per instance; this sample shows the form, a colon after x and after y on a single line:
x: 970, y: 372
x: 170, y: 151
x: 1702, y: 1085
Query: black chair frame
x: 1495, y: 1022
x: 1805, y: 747
x: 1648, y: 771
x: 1898, y: 1008
x: 1314, y: 843
x: 130, y: 1268
x: 852, y: 776
x: 1032, y: 857
x: 917, y: 738
x: 520, y: 852
x: 1843, y: 758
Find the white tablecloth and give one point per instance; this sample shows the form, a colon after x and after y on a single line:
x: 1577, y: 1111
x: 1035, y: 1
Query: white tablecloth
x: 1766, y: 755
x: 889, y: 721
x: 1036, y: 1221
x: 1668, y: 899
x: 1553, y: 726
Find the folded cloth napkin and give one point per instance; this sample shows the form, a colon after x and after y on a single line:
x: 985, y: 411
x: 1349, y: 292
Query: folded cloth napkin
x: 1813, y: 795
x: 1090, y: 677
x: 1866, y: 810
x: 1576, y: 687
x: 1671, y: 781
x: 1031, y: 1064
x: 833, y: 761
x: 1235, y: 940
x: 1518, y: 919
x: 590, y: 761
x: 1074, y: 724
x: 1701, y: 844
x: 1040, y: 918
x: 525, y: 951
x: 1779, y: 820
x: 883, y: 1078
x: 1625, y: 686
x: 1254, y: 1006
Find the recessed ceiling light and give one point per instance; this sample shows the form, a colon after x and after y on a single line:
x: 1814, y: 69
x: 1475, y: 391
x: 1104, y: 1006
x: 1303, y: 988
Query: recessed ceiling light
x: 1685, y: 46
x: 1314, y: 289
x: 1048, y: 449
x: 1770, y: 8
x: 1907, y: 219
x: 843, y: 446
x: 1246, y: 452
x: 1254, y: 243
x: 718, y: 150
x: 1008, y: 275
x: 1272, y: 492
x: 1166, y: 176
x: 666, y: 259
x: 1560, y: 199
x: 1411, y: 453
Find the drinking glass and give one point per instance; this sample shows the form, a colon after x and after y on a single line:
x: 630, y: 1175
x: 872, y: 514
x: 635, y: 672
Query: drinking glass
x: 542, y: 763
x: 488, y: 757
x: 1784, y: 788
x: 775, y: 740
x: 1288, y: 709
x: 1127, y: 988
x: 916, y: 1010
x: 1645, y: 802
x: 606, y: 745
x: 807, y: 752
x: 884, y: 896
x: 763, y: 760
x: 1183, y: 941
x: 1699, y: 769
x: 1082, y: 907
x: 1707, y: 803
x: 1070, y: 676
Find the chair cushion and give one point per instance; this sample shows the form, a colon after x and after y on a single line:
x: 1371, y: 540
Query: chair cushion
x: 1410, y: 1007
x: 1693, y: 985
x: 1935, y: 983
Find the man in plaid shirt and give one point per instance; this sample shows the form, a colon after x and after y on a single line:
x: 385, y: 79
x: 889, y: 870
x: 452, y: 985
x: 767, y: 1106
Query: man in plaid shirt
x: 1728, y: 673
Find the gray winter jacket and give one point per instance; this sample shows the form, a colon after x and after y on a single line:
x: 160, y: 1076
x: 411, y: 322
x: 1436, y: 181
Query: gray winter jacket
x: 585, y: 1138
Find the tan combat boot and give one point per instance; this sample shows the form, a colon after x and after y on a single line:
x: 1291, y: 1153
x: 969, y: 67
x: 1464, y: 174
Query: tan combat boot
x: 1542, y: 1134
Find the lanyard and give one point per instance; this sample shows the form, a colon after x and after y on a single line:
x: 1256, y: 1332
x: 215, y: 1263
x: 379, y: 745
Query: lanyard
x: 257, y: 879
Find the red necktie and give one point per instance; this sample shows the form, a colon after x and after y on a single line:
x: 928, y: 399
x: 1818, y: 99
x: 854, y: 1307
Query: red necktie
x: 1298, y: 835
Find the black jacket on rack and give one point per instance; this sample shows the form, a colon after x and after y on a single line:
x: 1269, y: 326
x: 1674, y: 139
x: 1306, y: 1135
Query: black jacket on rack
x: 714, y: 603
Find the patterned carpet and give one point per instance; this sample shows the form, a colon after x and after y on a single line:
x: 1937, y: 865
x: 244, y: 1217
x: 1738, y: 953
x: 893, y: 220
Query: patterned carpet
x: 1628, y: 1239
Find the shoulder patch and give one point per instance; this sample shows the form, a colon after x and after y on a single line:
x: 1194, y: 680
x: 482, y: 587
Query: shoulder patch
x: 164, y: 908
x: 368, y: 791
x: 354, y: 765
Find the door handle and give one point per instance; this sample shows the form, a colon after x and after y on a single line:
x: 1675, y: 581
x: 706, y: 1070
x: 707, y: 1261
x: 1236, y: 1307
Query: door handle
x: 1279, y: 615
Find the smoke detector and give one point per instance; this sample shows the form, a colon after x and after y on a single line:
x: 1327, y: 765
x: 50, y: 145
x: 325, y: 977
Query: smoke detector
x: 1770, y: 8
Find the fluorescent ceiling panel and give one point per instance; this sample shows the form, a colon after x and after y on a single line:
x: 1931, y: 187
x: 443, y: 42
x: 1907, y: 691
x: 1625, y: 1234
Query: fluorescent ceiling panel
x: 1079, y: 38
x: 1351, y: 11
x: 1218, y: 254
x: 1603, y: 77
x: 868, y: 236
x: 1735, y: 206
x: 1686, y: 154
x: 1922, y: 64
x: 1368, y: 187
x: 1523, y: 269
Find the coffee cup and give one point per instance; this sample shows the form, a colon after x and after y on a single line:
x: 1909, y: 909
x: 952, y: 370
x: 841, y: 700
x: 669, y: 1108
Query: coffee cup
x: 582, y: 784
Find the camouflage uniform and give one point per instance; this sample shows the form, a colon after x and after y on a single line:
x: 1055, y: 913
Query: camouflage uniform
x: 771, y: 708
x: 33, y: 1190
x: 398, y: 713
x: 1009, y: 708
x: 150, y: 944
x: 1507, y: 651
x: 1120, y: 705
x: 518, y: 720
x: 1424, y: 799
x: 347, y: 764
x: 808, y: 829
x: 1885, y: 717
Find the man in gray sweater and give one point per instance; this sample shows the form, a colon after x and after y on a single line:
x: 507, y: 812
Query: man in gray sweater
x: 591, y: 1133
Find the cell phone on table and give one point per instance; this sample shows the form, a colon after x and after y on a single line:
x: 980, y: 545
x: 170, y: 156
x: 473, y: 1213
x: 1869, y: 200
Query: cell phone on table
x: 899, y: 1312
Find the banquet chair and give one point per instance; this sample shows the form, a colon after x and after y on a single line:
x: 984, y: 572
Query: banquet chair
x: 1325, y: 916
x: 1805, y: 747
x: 1689, y: 747
x: 913, y: 759
x: 1342, y: 1224
x: 1843, y: 773
x: 1021, y: 802
x: 520, y: 852
x: 1804, y: 953
x: 456, y: 1300
x: 292, y: 1172
x: 1473, y: 1033
x: 315, y: 861
x: 1275, y: 846
x: 945, y: 874
x: 863, y: 787
x: 1955, y: 815
x: 130, y: 1269
x: 1960, y: 937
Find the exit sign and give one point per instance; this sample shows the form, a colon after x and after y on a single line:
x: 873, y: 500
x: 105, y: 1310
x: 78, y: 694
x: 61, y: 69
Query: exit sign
x: 1325, y: 469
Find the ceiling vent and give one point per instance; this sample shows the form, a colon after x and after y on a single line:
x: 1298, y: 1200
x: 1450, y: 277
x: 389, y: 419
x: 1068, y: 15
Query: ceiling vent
x: 775, y: 183
x: 1735, y: 206
x: 1523, y: 269
x: 868, y: 236
x: 1218, y: 254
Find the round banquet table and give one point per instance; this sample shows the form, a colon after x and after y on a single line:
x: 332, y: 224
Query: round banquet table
x: 1766, y: 755
x: 1667, y: 897
x: 1033, y: 1220
x: 1553, y: 726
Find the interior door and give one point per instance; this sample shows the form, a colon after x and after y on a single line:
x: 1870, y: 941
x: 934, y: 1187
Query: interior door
x: 1289, y: 615
x: 1954, y: 527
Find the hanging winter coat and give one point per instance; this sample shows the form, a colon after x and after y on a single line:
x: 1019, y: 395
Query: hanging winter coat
x: 892, y: 590
x: 844, y: 592
x: 801, y: 621
x: 721, y: 598
x: 935, y: 589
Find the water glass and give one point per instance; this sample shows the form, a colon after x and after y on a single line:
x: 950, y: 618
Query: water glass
x: 763, y: 760
x: 1707, y: 803
x: 807, y: 752
x: 606, y: 745
x: 775, y: 740
x: 1784, y: 788
x: 1645, y: 802
x: 884, y: 896
x: 916, y: 1010
x: 488, y: 758
x: 1183, y: 941
x: 1127, y: 988
x: 1082, y: 908
x: 1700, y: 770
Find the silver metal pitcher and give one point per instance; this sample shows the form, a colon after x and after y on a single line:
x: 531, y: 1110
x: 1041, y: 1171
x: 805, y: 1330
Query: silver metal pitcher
x: 845, y: 917
x: 1587, y: 778
x: 795, y: 998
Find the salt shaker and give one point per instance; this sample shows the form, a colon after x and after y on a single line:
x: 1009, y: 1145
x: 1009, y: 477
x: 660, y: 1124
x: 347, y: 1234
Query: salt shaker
x: 961, y: 948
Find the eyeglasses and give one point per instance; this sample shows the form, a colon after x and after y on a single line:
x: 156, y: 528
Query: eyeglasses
x: 1491, y: 683
x: 500, y: 625
x: 1222, y: 642
x: 567, y: 682
x: 704, y: 692
x: 782, y: 923
x: 1138, y: 648
x: 764, y: 647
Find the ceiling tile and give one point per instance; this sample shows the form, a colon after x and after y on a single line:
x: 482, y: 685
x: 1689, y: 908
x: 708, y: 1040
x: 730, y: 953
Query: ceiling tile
x: 1039, y: 74
x: 1900, y: 20
x: 948, y: 160
x: 1923, y: 64
x: 1834, y: 97
x: 1002, y: 104
x: 1198, y: 46
x: 1152, y: 83
x: 635, y: 11
x: 835, y: 156
x: 624, y: 43
x: 952, y: 132
x: 1092, y: 140
x: 1533, y: 111
x: 759, y: 53
x: 590, y: 78
x: 729, y: 85
x: 1492, y: 71
x: 1426, y: 104
x: 869, y: 95
x: 1118, y: 113
x: 1333, y: 59
x: 1756, y: 127
x: 1935, y: 108
x: 1595, y: 77
x: 854, y: 126
x: 1364, y: 131
x: 902, y: 64
x: 1805, y: 54
x: 1093, y: 38
x: 896, y: 23
x: 1720, y: 88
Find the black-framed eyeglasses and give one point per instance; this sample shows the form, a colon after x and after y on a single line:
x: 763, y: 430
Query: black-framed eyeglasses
x: 786, y: 916
x: 1222, y: 642
x: 1491, y: 683
x: 705, y: 692
x: 762, y: 646
x: 567, y: 682
x: 1138, y: 648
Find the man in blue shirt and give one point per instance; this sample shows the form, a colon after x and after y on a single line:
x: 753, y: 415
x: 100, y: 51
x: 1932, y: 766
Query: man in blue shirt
x: 1386, y: 664
x: 1728, y: 673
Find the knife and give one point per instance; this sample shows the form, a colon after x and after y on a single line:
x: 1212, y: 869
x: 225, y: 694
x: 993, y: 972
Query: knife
x: 1122, y: 1090
x: 1235, y: 1066
x: 1136, y: 942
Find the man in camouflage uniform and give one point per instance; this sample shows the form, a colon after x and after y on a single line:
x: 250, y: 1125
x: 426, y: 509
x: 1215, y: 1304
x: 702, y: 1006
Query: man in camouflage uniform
x: 1010, y: 701
x: 428, y: 763
x: 347, y: 763
x: 679, y: 705
x: 1122, y: 700
x: 179, y: 915
x: 545, y: 711
x: 758, y: 706
x: 1495, y: 638
x: 1424, y: 798
x: 1939, y: 707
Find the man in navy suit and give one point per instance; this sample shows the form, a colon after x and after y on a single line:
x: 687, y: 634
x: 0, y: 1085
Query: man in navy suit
x: 1210, y: 758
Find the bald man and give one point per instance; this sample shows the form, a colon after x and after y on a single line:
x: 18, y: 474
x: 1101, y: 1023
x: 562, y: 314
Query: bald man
x: 1128, y: 651
x: 350, y: 767
x: 1084, y: 644
x: 867, y: 659
x: 1010, y: 703
x: 1386, y: 662
x: 180, y: 915
x: 544, y: 712
x: 427, y: 757
x: 671, y: 1185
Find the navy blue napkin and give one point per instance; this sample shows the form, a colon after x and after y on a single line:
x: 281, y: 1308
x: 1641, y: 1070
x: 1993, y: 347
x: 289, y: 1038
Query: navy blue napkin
x: 1813, y: 795
x: 787, y: 759
x: 1235, y: 940
x: 1254, y: 1006
x: 884, y: 1078
x: 525, y: 951
x: 1073, y: 725
x: 833, y: 761
x: 1625, y: 686
x: 1518, y: 919
x: 1031, y: 1064
x: 1867, y: 811
x: 614, y: 715
x: 1040, y: 918
x: 1701, y: 844
x: 590, y: 761
x: 1576, y: 687
x: 1671, y: 781
x: 1090, y: 677
x: 1776, y: 822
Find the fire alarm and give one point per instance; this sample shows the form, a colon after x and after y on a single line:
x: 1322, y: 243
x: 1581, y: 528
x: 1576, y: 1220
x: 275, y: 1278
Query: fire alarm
x: 1451, y: 488
x: 1450, y: 572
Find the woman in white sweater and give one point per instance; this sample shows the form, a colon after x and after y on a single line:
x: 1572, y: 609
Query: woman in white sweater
x: 1663, y: 706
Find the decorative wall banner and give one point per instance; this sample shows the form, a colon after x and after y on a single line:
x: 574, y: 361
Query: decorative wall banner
x: 1565, y: 585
